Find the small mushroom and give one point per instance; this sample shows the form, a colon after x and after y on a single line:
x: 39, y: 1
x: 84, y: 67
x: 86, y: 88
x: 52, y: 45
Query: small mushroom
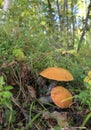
x: 61, y: 97
x: 56, y: 74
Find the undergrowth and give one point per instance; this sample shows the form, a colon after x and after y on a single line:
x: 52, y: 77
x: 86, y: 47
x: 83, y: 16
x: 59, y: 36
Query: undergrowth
x: 39, y: 54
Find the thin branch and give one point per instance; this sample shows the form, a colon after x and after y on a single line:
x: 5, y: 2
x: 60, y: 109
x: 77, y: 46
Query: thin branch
x: 58, y: 11
x: 21, y: 109
x: 73, y: 25
x: 50, y: 13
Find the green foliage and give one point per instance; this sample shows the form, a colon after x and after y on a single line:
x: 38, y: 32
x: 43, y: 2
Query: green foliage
x: 84, y: 98
x: 86, y: 92
x: 57, y: 128
x: 85, y: 55
x: 86, y: 120
x: 18, y: 54
x: 5, y: 100
x: 33, y: 119
x: 5, y: 94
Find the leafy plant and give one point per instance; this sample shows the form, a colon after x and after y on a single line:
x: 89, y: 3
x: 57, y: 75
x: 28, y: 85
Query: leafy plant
x: 84, y: 98
x: 86, y: 93
x: 5, y: 94
x: 5, y: 99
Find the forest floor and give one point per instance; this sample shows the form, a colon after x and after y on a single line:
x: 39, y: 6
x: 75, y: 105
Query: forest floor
x: 29, y: 113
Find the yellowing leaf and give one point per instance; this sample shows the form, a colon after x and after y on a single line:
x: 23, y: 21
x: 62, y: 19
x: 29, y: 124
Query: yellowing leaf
x: 22, y: 14
x: 43, y: 23
x: 89, y: 82
x: 47, y: 28
x: 11, y: 20
x: 89, y: 74
x: 27, y: 13
x: 1, y: 3
x: 86, y: 79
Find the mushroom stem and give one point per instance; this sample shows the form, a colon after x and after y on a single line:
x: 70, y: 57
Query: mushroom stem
x: 45, y: 100
x: 52, y: 84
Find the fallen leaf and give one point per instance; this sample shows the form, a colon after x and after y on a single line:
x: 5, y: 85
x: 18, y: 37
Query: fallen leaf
x: 31, y: 91
x: 4, y: 65
x: 2, y: 116
x: 50, y: 120
x: 46, y: 115
x: 61, y: 118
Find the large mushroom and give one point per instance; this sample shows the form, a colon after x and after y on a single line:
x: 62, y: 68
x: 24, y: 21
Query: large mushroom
x: 56, y: 74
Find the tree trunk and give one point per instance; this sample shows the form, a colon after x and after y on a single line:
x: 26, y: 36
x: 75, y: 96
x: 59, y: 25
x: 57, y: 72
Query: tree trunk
x: 73, y: 26
x: 51, y: 23
x: 7, y: 4
x: 66, y: 22
x: 59, y: 16
x: 84, y: 28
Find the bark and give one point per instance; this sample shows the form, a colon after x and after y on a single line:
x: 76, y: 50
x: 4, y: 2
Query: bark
x: 50, y: 14
x: 73, y: 26
x: 7, y: 4
x: 67, y: 23
x: 58, y: 11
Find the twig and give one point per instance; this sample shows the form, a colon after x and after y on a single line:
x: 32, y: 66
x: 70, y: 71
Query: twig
x: 21, y: 109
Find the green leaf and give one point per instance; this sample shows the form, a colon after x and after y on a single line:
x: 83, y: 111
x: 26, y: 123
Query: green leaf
x: 6, y: 94
x: 1, y: 88
x: 19, y: 54
x: 8, y: 87
x: 2, y: 80
x: 57, y: 128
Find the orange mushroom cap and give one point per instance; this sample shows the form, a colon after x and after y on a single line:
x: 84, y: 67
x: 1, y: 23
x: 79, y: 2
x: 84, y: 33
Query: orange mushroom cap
x: 61, y: 97
x: 58, y: 74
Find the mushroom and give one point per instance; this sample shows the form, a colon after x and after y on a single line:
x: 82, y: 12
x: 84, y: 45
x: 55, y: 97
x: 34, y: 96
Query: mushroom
x: 61, y: 97
x: 59, y: 74
x: 56, y: 74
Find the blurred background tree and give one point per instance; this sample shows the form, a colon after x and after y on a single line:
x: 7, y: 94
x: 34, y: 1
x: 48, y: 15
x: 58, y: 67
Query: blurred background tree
x: 44, y: 25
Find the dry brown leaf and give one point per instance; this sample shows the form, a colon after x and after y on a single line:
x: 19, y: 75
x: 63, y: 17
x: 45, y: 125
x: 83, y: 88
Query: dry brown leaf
x: 46, y: 115
x: 51, y: 129
x: 61, y: 118
x: 50, y: 120
x: 2, y: 116
x: 4, y: 65
x: 12, y: 63
x: 31, y: 91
